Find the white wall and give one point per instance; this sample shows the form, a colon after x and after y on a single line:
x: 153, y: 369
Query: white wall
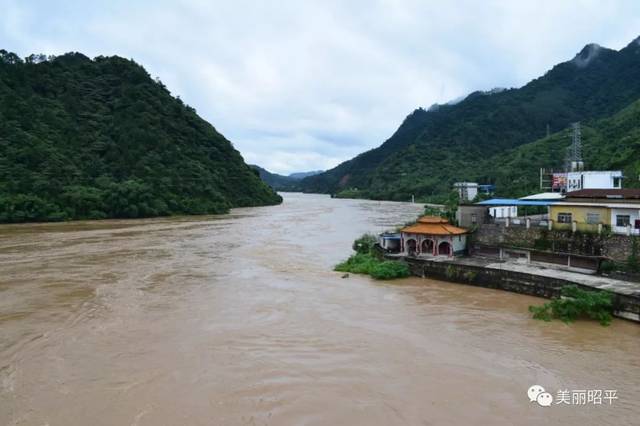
x: 472, y: 192
x: 591, y: 180
x: 467, y: 191
x: 635, y: 215
x: 503, y: 211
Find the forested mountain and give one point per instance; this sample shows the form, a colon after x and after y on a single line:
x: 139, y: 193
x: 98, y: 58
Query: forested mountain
x: 82, y: 138
x: 276, y: 181
x: 611, y: 143
x: 302, y: 175
x: 447, y: 143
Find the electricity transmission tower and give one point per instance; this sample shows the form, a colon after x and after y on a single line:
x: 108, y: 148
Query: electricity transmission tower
x: 574, y: 160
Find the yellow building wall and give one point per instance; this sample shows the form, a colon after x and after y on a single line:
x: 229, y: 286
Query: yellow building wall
x: 579, y: 214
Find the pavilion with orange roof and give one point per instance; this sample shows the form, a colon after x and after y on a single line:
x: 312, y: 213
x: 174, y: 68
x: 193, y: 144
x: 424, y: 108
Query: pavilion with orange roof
x: 433, y: 236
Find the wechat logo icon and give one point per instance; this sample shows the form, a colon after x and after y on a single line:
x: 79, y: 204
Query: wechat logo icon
x: 537, y: 394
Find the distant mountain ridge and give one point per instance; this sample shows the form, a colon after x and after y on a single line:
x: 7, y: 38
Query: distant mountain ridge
x: 302, y: 175
x: 281, y: 182
x: 92, y: 139
x: 462, y: 141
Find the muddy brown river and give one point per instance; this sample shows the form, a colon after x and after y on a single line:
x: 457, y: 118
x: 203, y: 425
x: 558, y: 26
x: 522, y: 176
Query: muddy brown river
x: 239, y: 320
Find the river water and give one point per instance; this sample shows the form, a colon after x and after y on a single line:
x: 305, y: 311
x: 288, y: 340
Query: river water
x: 239, y: 320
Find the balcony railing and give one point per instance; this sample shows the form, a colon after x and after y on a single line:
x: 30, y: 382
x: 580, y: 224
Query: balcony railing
x: 539, y: 221
x: 543, y: 222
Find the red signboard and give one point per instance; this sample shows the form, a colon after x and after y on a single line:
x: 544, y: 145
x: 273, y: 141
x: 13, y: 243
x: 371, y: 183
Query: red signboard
x: 559, y: 181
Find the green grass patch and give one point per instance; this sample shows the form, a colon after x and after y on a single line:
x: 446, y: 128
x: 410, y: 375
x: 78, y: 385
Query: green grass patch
x: 365, y: 263
x: 575, y: 304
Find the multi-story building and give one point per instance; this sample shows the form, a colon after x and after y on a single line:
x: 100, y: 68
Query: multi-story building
x: 592, y: 209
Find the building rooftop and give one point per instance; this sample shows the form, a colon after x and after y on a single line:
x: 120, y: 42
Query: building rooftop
x: 599, y: 172
x: 432, y: 219
x: 433, y: 225
x: 602, y: 203
x: 514, y: 202
x: 544, y: 196
x: 625, y: 194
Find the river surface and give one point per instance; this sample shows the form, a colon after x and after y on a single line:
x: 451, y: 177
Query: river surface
x: 240, y: 320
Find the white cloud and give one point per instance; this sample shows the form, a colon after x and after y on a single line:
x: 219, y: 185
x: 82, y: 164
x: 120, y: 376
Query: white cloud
x: 305, y: 85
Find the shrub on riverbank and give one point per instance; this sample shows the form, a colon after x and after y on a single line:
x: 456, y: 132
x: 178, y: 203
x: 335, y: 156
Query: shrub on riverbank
x: 364, y: 244
x: 577, y: 303
x: 365, y: 263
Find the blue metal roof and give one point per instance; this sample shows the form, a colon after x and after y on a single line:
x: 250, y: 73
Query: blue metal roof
x: 514, y: 202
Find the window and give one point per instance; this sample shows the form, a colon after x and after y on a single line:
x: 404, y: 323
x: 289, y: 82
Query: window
x: 593, y: 218
x: 617, y: 181
x: 474, y: 218
x: 623, y: 220
x: 564, y: 218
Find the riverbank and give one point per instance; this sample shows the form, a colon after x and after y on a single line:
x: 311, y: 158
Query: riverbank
x: 533, y: 280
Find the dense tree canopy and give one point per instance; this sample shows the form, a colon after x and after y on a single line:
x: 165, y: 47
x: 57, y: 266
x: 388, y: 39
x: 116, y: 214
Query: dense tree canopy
x: 276, y: 181
x: 82, y: 138
x: 469, y: 140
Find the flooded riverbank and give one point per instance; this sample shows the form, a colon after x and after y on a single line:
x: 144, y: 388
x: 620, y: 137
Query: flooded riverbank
x: 238, y: 319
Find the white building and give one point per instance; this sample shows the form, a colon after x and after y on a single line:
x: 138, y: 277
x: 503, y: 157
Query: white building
x: 578, y: 180
x: 625, y: 219
x: 467, y: 191
x: 503, y: 211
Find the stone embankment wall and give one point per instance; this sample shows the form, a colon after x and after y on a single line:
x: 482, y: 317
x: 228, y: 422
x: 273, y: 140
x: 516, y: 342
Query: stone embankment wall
x: 614, y: 246
x: 535, y: 285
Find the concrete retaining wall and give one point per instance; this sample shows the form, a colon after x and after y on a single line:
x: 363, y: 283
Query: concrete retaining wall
x: 614, y: 246
x: 535, y: 285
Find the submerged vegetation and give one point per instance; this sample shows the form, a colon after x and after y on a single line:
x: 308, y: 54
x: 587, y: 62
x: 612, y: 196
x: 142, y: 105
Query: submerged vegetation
x: 576, y: 303
x: 365, y: 262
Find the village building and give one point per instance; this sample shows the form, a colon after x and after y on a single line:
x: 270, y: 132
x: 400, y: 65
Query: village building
x: 576, y: 180
x: 472, y: 215
x: 433, y: 236
x: 468, y: 191
x: 588, y: 210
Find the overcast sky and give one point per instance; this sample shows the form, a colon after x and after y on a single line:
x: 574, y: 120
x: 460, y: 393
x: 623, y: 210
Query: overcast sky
x: 303, y: 85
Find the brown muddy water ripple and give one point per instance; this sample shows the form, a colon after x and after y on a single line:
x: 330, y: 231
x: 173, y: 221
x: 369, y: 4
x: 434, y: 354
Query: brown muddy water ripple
x: 239, y: 320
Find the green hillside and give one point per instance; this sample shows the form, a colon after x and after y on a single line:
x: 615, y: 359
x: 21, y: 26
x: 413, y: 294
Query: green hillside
x: 612, y: 143
x: 82, y: 138
x: 448, y: 143
x: 276, y: 181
